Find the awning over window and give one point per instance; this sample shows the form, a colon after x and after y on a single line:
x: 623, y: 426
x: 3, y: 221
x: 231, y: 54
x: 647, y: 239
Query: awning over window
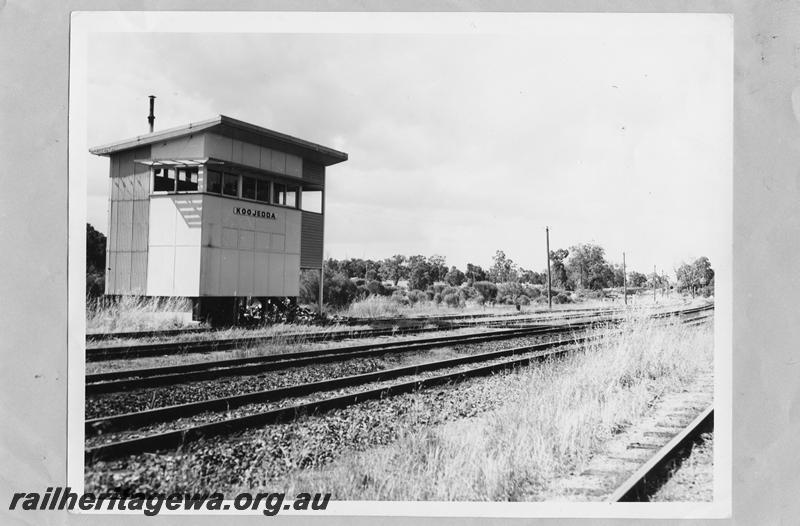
x: 177, y: 162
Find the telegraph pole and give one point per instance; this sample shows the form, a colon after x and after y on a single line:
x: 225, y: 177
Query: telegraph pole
x: 654, y: 284
x: 624, y: 280
x: 549, y: 281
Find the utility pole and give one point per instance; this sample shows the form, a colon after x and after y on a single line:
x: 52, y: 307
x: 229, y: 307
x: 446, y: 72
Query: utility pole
x: 549, y: 281
x: 654, y: 284
x: 624, y: 281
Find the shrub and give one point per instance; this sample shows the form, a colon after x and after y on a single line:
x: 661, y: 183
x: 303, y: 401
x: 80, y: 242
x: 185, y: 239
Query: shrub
x: 339, y: 291
x: 523, y: 300
x: 487, y: 289
x: 562, y: 297
x: 468, y: 293
x: 416, y: 296
x: 437, y: 298
x: 452, y: 299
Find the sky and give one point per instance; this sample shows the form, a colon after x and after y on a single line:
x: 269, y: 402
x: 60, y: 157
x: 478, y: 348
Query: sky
x: 609, y: 129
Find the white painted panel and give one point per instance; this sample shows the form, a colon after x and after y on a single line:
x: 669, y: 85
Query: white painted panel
x: 218, y: 147
x: 160, y: 270
x: 260, y: 274
x: 126, y: 188
x: 277, y: 243
x: 237, y: 151
x: 123, y: 277
x: 245, y: 222
x: 212, y: 235
x: 245, y: 287
x: 229, y: 272
x: 139, y: 273
x: 246, y: 239
x: 111, y: 271
x: 210, y: 270
x: 278, y: 162
x: 293, y: 228
x: 275, y: 274
x: 188, y: 147
x: 262, y: 241
x: 188, y: 223
x: 266, y: 159
x: 294, y: 165
x: 162, y: 222
x: 251, y: 155
x: 291, y: 275
x: 124, y: 225
x: 113, y: 230
x: 140, y: 228
x: 187, y: 271
x: 277, y: 225
x: 229, y: 238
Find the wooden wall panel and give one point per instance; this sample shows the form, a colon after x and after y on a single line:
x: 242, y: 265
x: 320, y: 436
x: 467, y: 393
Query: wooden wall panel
x: 312, y: 235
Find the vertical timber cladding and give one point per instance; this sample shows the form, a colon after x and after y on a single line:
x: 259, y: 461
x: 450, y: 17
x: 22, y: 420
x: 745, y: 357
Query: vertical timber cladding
x: 249, y: 249
x: 313, y: 231
x: 126, y: 263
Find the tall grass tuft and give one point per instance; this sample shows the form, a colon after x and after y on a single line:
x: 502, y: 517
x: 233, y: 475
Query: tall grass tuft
x: 136, y: 313
x: 551, y: 419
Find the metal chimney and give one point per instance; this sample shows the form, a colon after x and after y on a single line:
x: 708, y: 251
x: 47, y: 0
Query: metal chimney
x: 151, y: 118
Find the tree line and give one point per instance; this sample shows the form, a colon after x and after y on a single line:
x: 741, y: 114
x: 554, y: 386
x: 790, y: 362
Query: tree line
x: 582, y: 267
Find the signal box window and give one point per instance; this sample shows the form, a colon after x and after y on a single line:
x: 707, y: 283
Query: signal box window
x: 248, y: 187
x: 187, y: 179
x: 279, y: 197
x: 230, y: 184
x: 214, y: 182
x: 163, y: 179
x: 262, y: 191
x: 291, y: 196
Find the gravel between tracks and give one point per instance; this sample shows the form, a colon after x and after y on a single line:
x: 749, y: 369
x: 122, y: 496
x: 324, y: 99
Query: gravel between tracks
x: 110, y: 404
x: 307, y: 442
x: 260, y: 407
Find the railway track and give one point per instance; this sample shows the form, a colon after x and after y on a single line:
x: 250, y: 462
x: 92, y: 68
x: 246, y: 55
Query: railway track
x: 651, y: 476
x: 175, y: 438
x: 417, y: 320
x: 116, y: 352
x: 167, y: 375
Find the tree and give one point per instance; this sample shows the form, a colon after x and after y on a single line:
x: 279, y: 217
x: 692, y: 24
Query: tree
x: 394, y: 268
x: 437, y: 267
x: 530, y: 276
x: 419, y: 275
x: 636, y: 279
x: 475, y: 273
x: 95, y: 262
x: 503, y: 269
x: 95, y: 249
x: 695, y: 277
x: 588, y: 268
x: 558, y: 271
x: 455, y: 277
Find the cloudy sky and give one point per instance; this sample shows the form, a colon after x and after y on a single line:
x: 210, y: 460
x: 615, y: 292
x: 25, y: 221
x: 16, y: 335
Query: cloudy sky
x: 613, y: 129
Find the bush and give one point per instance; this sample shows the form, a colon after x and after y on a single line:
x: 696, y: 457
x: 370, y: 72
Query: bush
x: 416, y: 296
x: 523, y: 300
x: 561, y: 298
x: 487, y: 289
x: 452, y: 299
x: 399, y: 297
x: 437, y: 298
x: 338, y: 290
x: 469, y: 293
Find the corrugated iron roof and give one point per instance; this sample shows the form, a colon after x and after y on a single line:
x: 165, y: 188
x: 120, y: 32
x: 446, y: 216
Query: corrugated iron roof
x: 230, y: 127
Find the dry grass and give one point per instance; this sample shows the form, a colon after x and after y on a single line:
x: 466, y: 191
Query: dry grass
x: 552, y: 419
x: 132, y: 313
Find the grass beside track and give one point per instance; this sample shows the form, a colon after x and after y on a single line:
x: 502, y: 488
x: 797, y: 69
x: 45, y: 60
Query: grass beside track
x: 551, y: 419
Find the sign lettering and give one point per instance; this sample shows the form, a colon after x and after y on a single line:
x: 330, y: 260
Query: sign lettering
x: 242, y: 211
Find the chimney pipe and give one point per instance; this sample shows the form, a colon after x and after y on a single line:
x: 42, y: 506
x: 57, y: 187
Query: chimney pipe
x: 151, y: 118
